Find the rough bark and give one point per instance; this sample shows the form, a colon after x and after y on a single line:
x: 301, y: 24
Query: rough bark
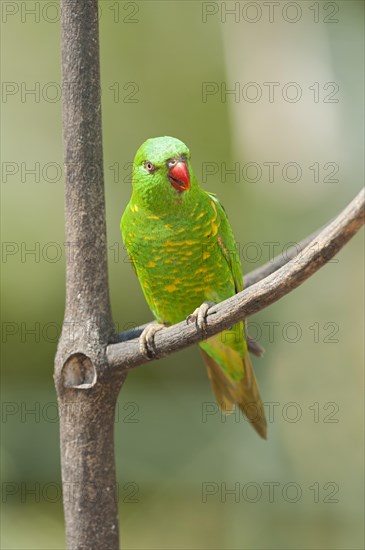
x: 87, y: 388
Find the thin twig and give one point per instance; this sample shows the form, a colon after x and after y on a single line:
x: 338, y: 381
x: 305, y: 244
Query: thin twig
x: 279, y: 261
x: 325, y: 245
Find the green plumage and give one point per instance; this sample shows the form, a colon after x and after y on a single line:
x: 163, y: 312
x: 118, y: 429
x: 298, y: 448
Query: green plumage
x: 183, y: 250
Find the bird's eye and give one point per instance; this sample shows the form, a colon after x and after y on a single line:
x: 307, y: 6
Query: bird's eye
x: 149, y: 166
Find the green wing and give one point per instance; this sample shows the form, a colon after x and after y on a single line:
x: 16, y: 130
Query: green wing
x: 228, y: 244
x: 228, y: 363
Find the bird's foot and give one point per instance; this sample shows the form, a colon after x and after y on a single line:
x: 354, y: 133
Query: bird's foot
x: 199, y: 316
x: 254, y: 347
x: 147, y: 339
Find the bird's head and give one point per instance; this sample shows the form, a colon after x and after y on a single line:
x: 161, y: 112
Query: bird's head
x: 162, y: 176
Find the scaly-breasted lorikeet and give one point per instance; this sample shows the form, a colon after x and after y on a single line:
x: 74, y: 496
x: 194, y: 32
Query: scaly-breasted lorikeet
x: 182, y: 247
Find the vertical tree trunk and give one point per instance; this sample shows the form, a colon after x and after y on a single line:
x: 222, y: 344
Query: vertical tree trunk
x: 87, y: 389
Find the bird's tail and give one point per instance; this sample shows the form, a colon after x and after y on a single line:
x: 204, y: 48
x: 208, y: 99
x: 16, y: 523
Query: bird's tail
x: 235, y: 383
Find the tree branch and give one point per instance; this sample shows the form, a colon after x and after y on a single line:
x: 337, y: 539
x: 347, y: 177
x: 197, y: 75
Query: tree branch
x: 87, y: 389
x: 266, y: 285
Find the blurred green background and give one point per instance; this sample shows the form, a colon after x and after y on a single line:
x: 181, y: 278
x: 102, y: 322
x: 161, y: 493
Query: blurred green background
x: 177, y: 459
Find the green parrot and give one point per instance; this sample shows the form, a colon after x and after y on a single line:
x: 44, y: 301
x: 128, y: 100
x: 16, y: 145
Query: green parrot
x: 181, y: 245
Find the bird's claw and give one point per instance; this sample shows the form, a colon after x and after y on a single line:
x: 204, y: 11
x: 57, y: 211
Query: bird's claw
x: 254, y: 347
x: 199, y: 315
x: 147, y: 339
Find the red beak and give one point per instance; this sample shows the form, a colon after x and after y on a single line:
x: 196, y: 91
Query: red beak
x: 179, y: 176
